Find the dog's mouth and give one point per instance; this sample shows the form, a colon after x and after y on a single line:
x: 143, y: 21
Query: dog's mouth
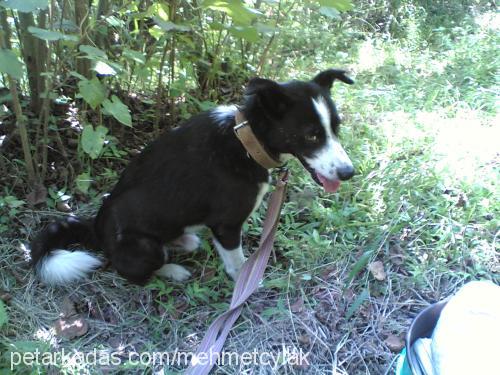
x: 330, y: 185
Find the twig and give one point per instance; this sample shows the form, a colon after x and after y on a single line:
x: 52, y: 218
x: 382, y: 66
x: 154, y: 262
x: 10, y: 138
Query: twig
x: 21, y: 123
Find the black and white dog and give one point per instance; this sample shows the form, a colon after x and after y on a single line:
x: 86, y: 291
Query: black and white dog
x: 200, y: 174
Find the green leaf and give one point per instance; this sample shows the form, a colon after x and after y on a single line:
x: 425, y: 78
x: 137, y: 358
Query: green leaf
x: 25, y: 6
x: 235, y: 9
x: 245, y: 32
x: 104, y: 69
x: 93, y: 140
x: 341, y: 5
x: 77, y: 75
x: 170, y: 26
x: 13, y: 202
x: 3, y: 314
x: 136, y: 56
x: 357, y: 303
x: 217, y: 26
x: 83, y: 181
x: 92, y: 91
x: 279, y: 283
x: 118, y: 110
x: 93, y: 53
x: 51, y: 35
x: 360, y: 264
x: 10, y: 64
x: 265, y: 28
x: 156, y: 32
x: 330, y: 12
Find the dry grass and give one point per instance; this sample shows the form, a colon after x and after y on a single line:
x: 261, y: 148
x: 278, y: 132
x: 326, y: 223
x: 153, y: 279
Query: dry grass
x: 302, y: 313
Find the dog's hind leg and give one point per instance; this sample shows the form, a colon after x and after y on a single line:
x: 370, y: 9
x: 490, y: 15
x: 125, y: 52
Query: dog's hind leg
x: 136, y: 257
x: 188, y: 242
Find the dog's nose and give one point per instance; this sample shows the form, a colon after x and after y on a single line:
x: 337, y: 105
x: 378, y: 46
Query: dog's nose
x: 345, y: 172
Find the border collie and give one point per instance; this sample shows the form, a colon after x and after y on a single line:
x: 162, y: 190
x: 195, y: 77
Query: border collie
x: 200, y: 174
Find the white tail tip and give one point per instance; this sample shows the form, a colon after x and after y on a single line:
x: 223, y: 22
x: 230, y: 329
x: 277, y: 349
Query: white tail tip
x: 63, y: 266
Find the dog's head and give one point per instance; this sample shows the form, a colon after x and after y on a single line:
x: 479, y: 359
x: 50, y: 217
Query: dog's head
x: 300, y: 119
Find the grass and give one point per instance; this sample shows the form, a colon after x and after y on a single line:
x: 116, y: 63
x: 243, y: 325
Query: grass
x: 420, y: 128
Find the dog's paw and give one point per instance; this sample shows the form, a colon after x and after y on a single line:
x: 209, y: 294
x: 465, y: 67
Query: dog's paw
x: 174, y: 272
x: 234, y: 270
x: 188, y: 242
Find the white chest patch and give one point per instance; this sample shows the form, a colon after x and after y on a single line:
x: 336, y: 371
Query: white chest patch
x: 222, y: 112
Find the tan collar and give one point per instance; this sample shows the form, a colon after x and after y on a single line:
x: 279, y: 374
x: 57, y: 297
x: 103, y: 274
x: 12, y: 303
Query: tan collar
x: 253, y: 146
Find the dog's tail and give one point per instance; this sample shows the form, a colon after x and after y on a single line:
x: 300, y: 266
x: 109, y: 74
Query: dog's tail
x: 56, y: 266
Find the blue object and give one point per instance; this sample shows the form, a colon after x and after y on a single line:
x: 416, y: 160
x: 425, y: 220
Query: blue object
x: 402, y: 367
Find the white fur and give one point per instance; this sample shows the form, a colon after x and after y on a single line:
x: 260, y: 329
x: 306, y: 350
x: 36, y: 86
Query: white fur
x: 174, y: 272
x: 222, y: 112
x: 188, y: 242
x: 63, y: 266
x: 332, y: 155
x: 233, y: 259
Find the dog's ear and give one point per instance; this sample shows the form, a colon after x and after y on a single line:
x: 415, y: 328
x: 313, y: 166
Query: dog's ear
x: 270, y: 95
x: 325, y: 79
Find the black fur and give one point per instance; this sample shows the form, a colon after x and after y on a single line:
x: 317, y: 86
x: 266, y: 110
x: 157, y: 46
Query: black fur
x: 198, y: 173
x: 61, y: 234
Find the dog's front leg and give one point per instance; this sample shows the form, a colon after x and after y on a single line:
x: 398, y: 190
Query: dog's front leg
x: 227, y: 241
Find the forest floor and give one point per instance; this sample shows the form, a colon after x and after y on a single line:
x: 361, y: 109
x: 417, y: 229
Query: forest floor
x: 424, y: 204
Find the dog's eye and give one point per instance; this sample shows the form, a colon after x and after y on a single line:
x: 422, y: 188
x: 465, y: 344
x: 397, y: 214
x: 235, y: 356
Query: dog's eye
x: 312, y: 138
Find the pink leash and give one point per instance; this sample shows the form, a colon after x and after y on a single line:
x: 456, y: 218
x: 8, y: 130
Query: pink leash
x: 248, y: 281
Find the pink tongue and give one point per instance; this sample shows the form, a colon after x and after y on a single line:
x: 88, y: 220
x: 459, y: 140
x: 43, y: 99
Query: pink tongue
x: 330, y: 186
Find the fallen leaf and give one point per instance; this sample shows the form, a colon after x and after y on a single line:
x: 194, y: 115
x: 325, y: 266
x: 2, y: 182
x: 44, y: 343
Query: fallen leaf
x: 208, y: 274
x: 396, y: 254
x: 377, y: 270
x: 179, y: 308
x: 297, y: 306
x: 329, y: 272
x: 5, y: 296
x: 304, y: 339
x: 37, y: 195
x: 394, y: 343
x: 63, y: 207
x: 72, y: 327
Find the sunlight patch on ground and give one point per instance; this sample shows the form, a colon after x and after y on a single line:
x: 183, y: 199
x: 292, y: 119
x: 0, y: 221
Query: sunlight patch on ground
x: 373, y: 57
x: 464, y: 147
x: 489, y: 20
x: 46, y: 335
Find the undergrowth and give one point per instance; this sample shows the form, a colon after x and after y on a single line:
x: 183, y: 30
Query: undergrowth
x: 420, y: 127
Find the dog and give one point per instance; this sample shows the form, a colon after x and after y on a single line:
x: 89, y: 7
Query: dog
x: 201, y: 174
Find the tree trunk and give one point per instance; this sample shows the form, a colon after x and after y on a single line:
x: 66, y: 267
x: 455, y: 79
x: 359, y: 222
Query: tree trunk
x: 41, y: 53
x: 20, y: 118
x: 34, y: 65
x: 101, y: 39
x: 82, y: 20
x: 4, y: 24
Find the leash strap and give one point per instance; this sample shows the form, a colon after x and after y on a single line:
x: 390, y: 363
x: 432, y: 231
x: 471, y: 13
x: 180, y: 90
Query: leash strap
x: 248, y: 139
x: 248, y: 281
